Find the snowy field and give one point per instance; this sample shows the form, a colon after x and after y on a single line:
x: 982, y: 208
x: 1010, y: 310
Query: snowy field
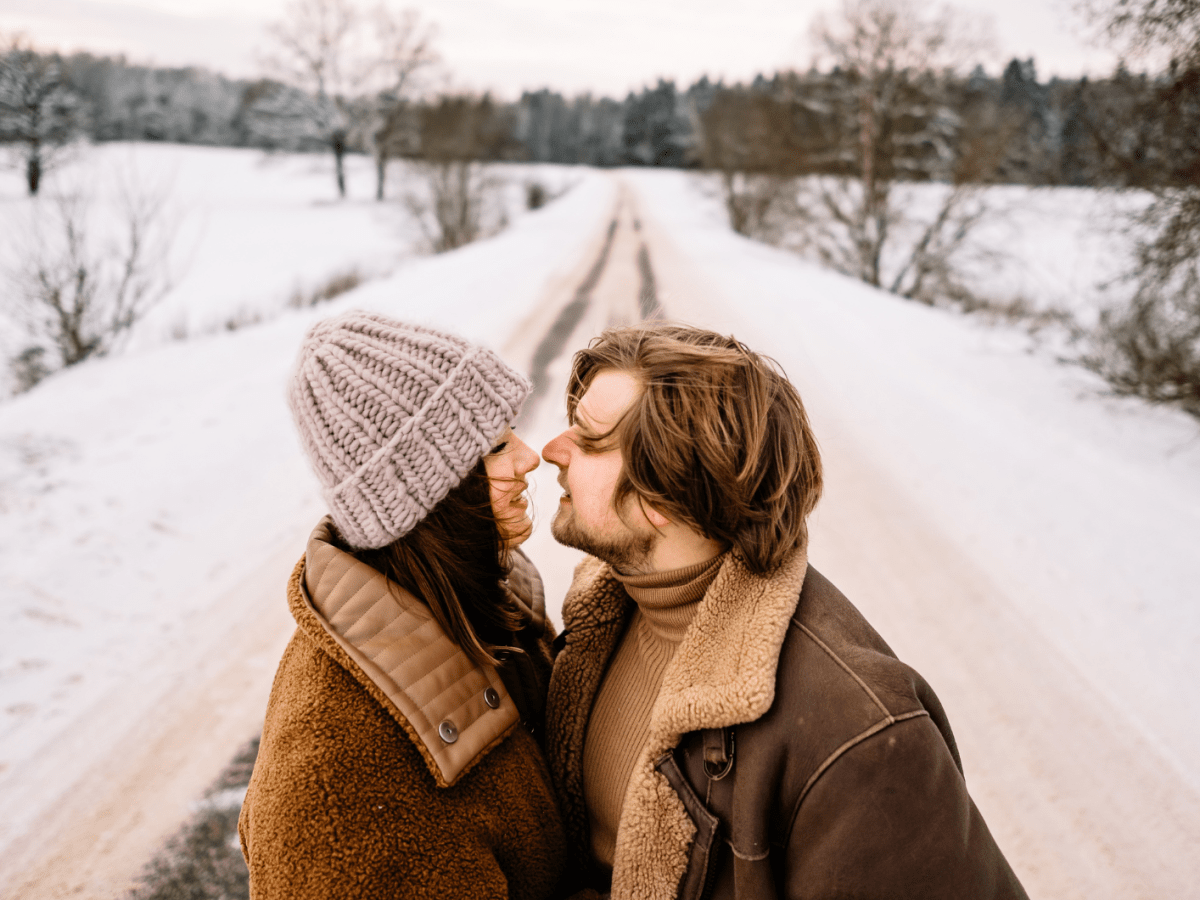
x: 135, y: 489
x: 1052, y: 248
x: 248, y: 231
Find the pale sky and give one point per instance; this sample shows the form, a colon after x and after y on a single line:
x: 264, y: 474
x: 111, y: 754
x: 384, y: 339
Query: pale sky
x: 603, y: 46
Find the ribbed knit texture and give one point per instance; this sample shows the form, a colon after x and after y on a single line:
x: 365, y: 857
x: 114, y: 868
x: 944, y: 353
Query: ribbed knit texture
x: 619, y: 725
x: 393, y: 416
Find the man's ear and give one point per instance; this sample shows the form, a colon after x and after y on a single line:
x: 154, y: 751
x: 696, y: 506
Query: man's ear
x: 654, y: 517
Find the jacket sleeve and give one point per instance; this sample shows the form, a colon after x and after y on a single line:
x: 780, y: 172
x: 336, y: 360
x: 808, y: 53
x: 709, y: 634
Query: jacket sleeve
x: 890, y: 817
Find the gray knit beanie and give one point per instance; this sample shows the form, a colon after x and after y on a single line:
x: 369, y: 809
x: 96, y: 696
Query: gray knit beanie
x: 393, y: 416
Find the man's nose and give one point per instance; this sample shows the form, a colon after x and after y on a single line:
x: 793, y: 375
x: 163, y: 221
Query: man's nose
x: 555, y: 452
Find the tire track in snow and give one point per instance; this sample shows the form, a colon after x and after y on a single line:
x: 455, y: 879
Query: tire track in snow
x: 555, y: 339
x: 626, y: 292
x: 648, y: 295
x: 555, y: 343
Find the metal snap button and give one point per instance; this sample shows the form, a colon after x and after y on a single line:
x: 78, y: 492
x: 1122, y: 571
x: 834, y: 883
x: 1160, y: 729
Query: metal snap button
x: 448, y: 732
x: 491, y: 698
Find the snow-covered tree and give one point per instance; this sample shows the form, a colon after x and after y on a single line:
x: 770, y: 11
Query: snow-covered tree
x: 39, y: 113
x: 277, y: 116
x: 585, y: 130
x: 657, y: 129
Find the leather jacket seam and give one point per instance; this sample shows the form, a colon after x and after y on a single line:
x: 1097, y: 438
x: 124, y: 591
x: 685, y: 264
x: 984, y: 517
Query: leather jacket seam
x: 749, y: 857
x: 878, y: 728
x: 842, y: 664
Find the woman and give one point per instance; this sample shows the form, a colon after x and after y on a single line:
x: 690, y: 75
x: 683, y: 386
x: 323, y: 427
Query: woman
x: 398, y: 756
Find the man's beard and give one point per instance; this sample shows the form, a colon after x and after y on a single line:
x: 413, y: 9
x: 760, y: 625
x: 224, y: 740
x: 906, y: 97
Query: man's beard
x: 626, y: 553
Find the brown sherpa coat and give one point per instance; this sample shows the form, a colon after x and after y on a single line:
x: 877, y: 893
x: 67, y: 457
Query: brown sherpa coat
x: 356, y: 792
x: 790, y: 754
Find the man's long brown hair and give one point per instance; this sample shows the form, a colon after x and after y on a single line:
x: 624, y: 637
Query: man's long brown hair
x: 717, y: 439
x: 454, y: 560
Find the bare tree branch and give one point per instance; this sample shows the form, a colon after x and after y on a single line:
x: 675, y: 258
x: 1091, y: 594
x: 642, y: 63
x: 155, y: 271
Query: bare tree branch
x: 356, y: 67
x: 316, y: 47
x: 405, y: 49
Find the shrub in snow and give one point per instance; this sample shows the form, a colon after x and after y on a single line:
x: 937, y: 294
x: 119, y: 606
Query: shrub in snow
x: 454, y: 203
x: 28, y: 368
x: 80, y: 287
x: 1151, y: 347
x: 742, y: 139
x: 333, y: 286
x: 455, y: 199
x: 535, y: 195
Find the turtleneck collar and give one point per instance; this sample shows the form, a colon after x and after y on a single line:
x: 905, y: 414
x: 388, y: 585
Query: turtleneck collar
x: 668, y: 600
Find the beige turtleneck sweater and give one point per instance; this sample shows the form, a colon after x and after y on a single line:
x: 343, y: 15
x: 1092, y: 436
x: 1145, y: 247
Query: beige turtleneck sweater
x: 620, y: 720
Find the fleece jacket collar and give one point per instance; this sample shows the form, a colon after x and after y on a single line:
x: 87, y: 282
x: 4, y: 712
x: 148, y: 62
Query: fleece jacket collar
x: 723, y: 674
x: 389, y: 641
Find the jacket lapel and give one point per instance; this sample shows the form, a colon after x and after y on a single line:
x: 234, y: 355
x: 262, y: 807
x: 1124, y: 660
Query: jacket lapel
x: 722, y: 674
x: 594, y: 613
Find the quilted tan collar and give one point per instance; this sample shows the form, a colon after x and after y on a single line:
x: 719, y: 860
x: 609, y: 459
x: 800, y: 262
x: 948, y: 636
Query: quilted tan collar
x: 397, y: 650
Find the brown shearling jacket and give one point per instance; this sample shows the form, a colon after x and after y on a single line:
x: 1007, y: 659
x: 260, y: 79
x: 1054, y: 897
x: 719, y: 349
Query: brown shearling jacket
x: 791, y: 755
x: 357, y: 791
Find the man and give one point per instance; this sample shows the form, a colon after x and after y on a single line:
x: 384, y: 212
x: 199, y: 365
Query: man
x: 722, y: 722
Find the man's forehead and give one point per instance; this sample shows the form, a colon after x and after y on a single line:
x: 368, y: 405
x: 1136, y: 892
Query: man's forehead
x: 609, y: 395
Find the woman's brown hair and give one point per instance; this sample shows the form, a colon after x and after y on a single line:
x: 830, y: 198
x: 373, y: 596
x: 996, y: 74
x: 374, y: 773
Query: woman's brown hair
x: 454, y: 560
x: 718, y: 438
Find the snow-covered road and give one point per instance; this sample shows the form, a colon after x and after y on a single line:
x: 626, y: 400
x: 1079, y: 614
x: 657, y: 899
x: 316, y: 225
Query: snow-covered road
x: 1028, y: 544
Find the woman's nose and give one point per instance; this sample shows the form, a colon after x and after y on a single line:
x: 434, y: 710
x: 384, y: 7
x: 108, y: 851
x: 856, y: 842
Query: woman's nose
x: 527, y: 460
